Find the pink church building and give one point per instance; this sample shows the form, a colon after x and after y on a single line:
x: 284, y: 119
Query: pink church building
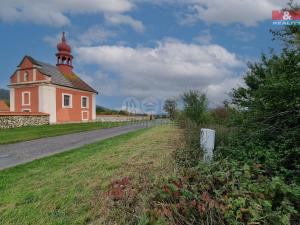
x: 39, y: 87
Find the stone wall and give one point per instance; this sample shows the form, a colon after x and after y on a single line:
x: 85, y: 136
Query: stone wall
x: 112, y: 118
x: 12, y: 120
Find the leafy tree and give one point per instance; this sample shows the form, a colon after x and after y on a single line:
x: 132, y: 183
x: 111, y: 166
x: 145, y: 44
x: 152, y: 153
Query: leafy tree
x: 269, y: 108
x: 195, y: 106
x: 170, y: 107
x: 271, y: 98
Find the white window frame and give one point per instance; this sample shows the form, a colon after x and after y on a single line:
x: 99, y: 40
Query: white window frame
x: 29, y: 98
x: 87, y: 102
x: 63, y: 100
x: 24, y: 110
x: 87, y: 113
x: 26, y: 76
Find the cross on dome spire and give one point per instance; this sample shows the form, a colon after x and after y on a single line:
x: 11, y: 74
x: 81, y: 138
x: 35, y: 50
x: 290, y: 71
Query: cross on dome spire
x: 63, y: 39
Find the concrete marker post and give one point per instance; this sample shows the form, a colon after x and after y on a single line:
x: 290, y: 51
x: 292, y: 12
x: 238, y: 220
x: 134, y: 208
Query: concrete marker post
x: 207, y: 143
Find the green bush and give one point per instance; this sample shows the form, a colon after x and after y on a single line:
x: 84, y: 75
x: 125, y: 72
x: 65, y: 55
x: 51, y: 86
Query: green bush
x: 268, y: 119
x: 195, y: 107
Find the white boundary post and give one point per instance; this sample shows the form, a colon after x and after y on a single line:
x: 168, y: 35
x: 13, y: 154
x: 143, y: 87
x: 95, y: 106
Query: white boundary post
x: 207, y: 142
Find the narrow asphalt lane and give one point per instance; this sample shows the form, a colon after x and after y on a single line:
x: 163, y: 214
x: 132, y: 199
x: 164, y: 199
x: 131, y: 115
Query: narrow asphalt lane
x: 19, y: 153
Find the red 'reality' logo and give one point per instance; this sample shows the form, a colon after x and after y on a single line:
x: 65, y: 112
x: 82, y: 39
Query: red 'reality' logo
x: 286, y: 15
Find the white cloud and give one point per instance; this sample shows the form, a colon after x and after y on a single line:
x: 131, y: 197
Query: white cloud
x: 165, y: 70
x: 118, y: 19
x: 92, y: 36
x: 246, y: 12
x: 55, y: 12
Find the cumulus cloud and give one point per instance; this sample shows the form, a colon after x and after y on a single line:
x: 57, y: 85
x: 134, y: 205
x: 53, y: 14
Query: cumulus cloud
x: 164, y: 70
x: 246, y: 12
x: 55, y: 12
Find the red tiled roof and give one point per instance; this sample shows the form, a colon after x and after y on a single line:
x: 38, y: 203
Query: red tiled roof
x: 23, y: 114
x: 3, y: 106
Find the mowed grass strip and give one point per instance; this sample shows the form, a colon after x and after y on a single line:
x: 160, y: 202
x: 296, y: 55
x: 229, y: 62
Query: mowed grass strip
x: 14, y: 135
x: 69, y: 188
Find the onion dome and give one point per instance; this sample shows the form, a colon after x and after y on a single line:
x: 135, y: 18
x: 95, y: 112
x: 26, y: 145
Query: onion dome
x: 63, y: 46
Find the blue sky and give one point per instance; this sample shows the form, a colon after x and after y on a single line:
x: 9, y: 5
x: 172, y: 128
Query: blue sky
x: 141, y: 49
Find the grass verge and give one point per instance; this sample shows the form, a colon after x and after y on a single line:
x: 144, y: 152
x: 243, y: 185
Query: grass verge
x: 14, y: 135
x: 72, y: 187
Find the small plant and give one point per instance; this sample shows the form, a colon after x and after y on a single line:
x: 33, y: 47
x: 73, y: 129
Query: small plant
x: 120, y: 189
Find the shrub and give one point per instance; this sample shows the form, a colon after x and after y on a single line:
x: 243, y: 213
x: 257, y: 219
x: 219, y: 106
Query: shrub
x: 170, y: 106
x: 195, y: 107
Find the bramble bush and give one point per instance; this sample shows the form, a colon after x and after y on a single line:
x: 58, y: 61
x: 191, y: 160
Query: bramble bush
x: 223, y: 193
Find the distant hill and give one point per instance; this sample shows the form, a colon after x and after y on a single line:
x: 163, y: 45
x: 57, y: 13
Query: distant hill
x: 4, y: 94
x: 106, y: 111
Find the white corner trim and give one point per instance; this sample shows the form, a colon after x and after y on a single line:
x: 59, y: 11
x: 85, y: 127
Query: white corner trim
x: 12, y: 99
x: 47, y: 101
x: 87, y: 102
x: 23, y: 98
x: 94, y: 116
x: 87, y: 115
x: 18, y: 76
x: 63, y: 102
x: 34, y: 74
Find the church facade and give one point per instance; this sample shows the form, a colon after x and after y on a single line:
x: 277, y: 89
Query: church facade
x: 39, y: 87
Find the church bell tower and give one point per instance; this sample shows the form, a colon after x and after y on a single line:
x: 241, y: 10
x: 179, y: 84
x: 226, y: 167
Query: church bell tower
x: 64, y: 57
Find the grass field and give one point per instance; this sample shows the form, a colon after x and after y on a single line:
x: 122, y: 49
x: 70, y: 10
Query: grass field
x: 70, y: 188
x: 30, y: 133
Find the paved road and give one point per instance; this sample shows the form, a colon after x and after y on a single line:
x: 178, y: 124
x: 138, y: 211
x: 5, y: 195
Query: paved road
x: 14, y: 154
